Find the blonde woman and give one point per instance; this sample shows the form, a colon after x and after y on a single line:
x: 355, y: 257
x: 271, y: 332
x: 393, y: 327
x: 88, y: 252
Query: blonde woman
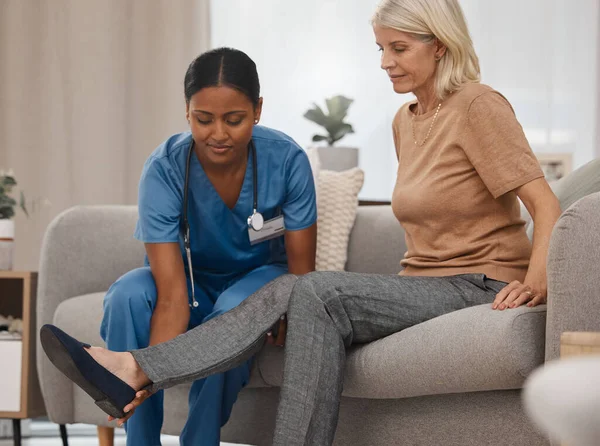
x: 463, y: 161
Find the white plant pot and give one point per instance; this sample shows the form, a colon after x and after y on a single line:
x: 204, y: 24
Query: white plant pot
x: 338, y: 158
x: 7, y: 242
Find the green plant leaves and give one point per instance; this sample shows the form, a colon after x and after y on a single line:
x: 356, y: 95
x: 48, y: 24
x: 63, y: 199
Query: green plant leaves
x: 7, y: 203
x: 316, y: 115
x: 8, y: 182
x: 340, y: 131
x: 333, y: 121
x: 7, y: 206
x: 6, y: 212
x: 338, y: 107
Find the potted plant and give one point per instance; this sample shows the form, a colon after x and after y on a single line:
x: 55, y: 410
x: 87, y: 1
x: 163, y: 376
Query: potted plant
x: 7, y: 212
x: 334, y: 157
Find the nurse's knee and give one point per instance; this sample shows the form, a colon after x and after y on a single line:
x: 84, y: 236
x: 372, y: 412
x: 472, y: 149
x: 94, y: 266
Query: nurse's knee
x: 134, y: 291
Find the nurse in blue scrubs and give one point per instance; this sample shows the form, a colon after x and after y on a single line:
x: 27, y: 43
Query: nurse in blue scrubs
x: 250, y: 208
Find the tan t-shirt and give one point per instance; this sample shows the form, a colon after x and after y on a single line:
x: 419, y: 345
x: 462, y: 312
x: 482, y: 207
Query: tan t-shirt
x: 455, y: 196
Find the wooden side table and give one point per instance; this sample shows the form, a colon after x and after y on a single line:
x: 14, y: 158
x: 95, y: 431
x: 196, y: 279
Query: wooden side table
x: 20, y: 394
x: 579, y: 343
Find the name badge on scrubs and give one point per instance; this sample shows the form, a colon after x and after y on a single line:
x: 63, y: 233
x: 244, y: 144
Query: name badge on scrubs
x: 272, y: 228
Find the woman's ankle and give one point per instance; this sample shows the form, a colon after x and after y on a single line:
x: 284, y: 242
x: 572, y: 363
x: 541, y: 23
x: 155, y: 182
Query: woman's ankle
x: 139, y: 377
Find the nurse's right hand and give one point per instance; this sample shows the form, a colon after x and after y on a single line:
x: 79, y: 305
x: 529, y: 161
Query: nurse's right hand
x: 140, y: 397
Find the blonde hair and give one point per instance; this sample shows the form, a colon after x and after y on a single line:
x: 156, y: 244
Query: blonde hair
x: 431, y: 19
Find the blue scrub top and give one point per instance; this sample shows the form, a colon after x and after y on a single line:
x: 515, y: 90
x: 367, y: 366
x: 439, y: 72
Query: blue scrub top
x: 221, y: 250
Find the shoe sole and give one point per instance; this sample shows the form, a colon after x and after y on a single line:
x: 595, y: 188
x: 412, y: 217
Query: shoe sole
x: 60, y: 357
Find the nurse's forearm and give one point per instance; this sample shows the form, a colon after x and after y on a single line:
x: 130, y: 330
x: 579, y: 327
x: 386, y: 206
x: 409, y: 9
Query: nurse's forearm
x: 172, y: 313
x: 170, y: 319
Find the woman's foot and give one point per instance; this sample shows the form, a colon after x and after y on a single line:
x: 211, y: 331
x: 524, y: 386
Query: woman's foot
x: 121, y: 364
x: 111, y: 379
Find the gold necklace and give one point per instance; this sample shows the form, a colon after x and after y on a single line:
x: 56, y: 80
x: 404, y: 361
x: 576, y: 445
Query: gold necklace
x: 412, y: 123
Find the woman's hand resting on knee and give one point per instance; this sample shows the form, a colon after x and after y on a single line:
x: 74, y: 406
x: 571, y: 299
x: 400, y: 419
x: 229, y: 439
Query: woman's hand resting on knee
x: 516, y: 294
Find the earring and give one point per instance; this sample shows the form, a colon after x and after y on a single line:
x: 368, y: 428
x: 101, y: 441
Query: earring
x: 256, y: 121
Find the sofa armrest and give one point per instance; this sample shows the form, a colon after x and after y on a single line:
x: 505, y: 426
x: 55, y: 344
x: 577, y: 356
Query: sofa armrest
x: 85, y: 249
x: 574, y: 273
x: 376, y: 242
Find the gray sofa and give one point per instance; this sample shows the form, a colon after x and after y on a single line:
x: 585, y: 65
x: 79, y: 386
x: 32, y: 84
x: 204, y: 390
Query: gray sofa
x: 454, y: 380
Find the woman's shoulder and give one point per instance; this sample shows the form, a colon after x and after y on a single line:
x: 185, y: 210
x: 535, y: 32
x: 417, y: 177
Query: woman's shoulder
x: 267, y: 134
x: 169, y: 153
x: 266, y: 137
x: 172, y: 146
x: 476, y: 92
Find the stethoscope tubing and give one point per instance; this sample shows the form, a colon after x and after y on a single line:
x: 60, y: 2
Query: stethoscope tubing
x: 185, y: 222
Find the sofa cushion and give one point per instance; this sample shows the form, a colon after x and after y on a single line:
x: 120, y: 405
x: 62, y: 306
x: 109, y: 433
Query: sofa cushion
x: 474, y: 349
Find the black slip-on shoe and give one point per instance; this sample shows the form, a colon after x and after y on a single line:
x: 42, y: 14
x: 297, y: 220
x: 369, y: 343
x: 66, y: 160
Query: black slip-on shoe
x: 110, y: 393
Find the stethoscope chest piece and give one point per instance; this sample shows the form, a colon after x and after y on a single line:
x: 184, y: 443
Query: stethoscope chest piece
x: 256, y: 221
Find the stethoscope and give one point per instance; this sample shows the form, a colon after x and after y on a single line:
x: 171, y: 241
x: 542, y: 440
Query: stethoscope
x: 255, y: 221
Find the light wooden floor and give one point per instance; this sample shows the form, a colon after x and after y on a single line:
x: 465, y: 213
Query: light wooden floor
x: 47, y: 434
x: 85, y: 441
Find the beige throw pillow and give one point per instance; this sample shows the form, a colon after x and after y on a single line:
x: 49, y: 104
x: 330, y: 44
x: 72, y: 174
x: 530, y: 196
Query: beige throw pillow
x: 337, y: 203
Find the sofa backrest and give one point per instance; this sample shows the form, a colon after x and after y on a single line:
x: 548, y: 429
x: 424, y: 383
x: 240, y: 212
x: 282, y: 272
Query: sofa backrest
x: 571, y: 188
x: 376, y: 242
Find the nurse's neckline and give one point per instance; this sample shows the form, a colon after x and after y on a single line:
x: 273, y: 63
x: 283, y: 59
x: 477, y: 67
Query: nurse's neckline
x: 228, y: 184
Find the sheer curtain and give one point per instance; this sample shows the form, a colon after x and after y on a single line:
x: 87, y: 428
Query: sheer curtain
x: 541, y: 54
x: 88, y: 88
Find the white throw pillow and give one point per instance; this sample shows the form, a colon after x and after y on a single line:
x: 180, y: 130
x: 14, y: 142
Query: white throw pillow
x: 337, y: 203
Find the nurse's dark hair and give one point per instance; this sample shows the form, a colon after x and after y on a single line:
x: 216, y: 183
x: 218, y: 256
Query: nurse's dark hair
x: 222, y: 67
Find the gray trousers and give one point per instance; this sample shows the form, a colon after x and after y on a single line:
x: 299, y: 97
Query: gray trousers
x: 327, y: 312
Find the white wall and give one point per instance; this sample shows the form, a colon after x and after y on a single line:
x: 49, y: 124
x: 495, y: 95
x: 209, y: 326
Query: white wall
x: 541, y: 54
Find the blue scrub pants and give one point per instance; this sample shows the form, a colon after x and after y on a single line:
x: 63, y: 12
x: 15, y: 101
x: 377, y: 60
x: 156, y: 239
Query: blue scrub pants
x: 128, y: 308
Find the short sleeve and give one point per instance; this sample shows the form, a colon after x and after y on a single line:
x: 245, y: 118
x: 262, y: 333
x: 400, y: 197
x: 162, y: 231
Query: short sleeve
x: 300, y: 206
x: 159, y: 204
x: 495, y: 144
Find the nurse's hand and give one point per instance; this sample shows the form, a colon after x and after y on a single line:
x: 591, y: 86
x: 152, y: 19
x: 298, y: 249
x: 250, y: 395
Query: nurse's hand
x: 278, y: 340
x: 140, y: 397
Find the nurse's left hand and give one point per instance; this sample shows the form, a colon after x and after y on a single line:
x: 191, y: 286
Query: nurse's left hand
x: 140, y: 397
x: 278, y: 340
